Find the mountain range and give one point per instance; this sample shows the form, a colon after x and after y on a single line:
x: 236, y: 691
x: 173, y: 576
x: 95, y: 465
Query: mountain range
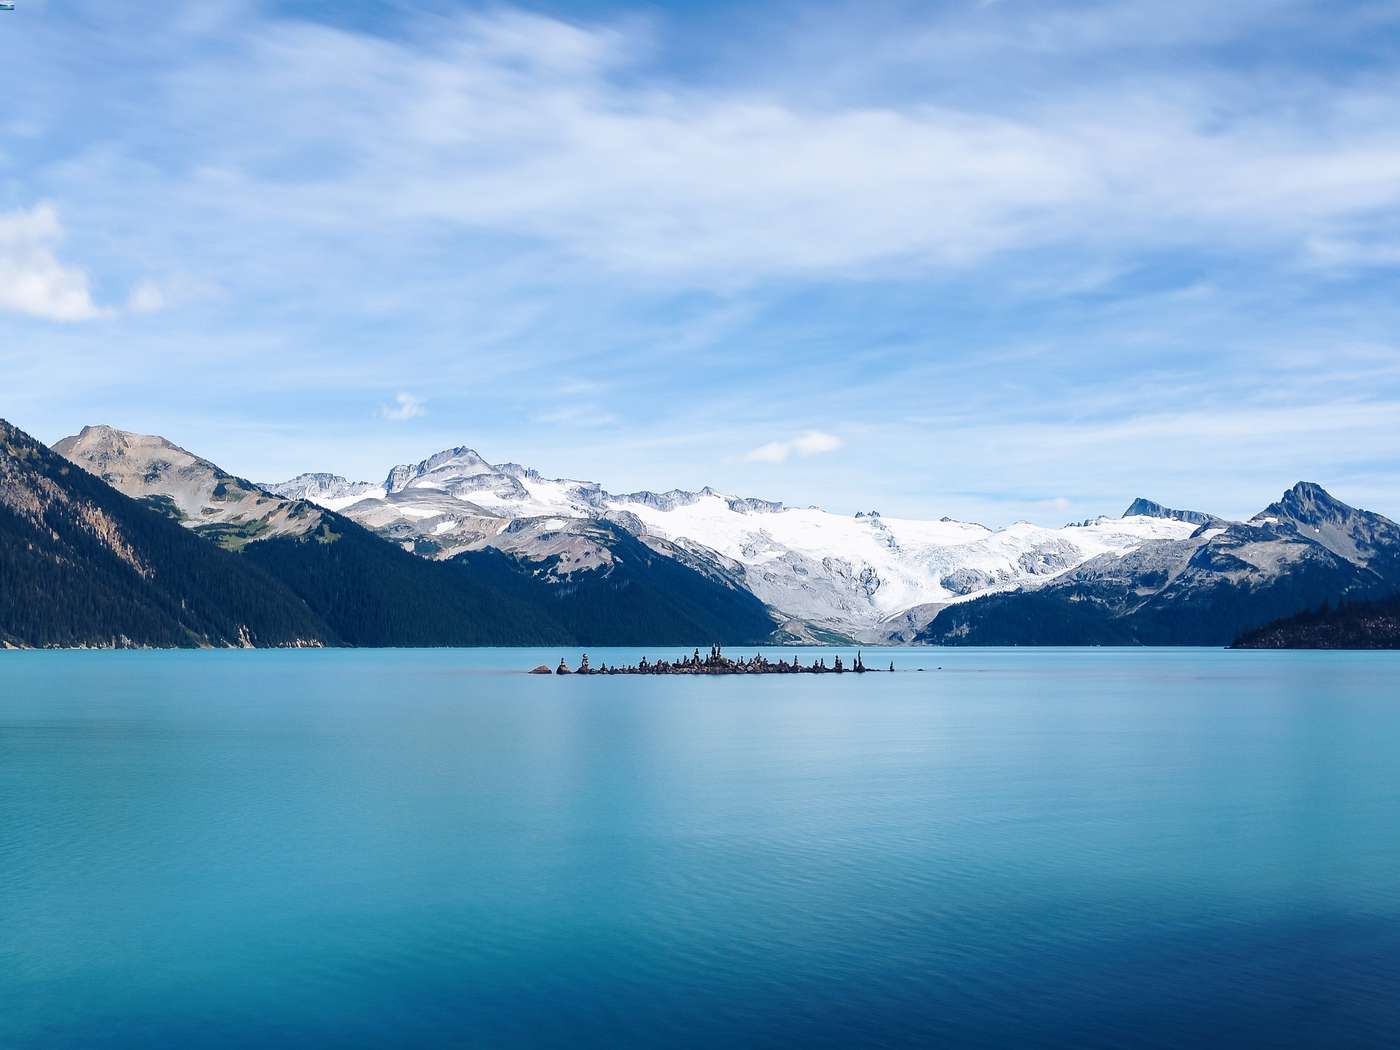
x: 363, y: 590
x: 826, y: 576
x: 1224, y: 579
x: 456, y: 550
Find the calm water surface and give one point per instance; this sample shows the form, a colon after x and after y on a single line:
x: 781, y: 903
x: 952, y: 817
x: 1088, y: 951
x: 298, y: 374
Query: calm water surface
x: 1024, y: 849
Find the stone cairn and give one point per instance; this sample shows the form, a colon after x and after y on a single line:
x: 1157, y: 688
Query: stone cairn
x: 713, y: 664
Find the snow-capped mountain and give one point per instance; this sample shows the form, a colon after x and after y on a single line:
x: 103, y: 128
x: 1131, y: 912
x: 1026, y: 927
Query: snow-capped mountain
x: 571, y: 558
x: 864, y: 575
x: 1206, y: 589
x: 856, y: 572
x: 583, y: 579
x: 454, y: 502
x: 326, y: 490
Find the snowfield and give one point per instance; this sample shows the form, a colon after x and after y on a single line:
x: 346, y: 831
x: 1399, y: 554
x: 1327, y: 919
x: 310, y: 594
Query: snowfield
x: 859, y: 571
x: 849, y: 573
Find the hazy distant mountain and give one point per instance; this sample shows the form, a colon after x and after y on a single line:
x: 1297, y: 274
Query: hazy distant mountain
x: 83, y: 565
x: 826, y: 576
x: 1224, y: 579
x: 1146, y: 508
x: 326, y: 490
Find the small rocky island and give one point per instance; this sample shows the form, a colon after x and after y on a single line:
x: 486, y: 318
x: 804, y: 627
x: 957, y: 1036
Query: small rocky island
x: 714, y: 663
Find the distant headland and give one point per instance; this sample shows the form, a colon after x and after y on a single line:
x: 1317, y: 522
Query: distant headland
x: 715, y: 663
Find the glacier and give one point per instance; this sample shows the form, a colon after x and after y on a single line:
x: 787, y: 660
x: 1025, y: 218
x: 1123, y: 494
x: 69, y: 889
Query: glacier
x: 863, y: 576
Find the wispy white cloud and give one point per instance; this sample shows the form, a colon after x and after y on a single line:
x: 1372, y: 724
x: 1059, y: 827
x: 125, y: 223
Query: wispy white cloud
x: 33, y: 280
x: 1024, y: 222
x: 808, y: 443
x: 405, y: 407
x: 528, y: 127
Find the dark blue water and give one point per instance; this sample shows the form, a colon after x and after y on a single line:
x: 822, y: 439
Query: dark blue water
x: 1025, y: 849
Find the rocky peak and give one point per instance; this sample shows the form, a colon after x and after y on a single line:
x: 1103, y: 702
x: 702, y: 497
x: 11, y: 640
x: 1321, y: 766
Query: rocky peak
x: 1307, y: 503
x: 99, y: 444
x: 101, y: 434
x: 1361, y: 536
x: 518, y: 470
x: 467, y: 459
x: 1146, y: 508
x: 104, y: 449
x: 683, y: 498
x: 661, y: 500
x: 319, y: 486
x: 750, y: 505
x: 318, y: 479
x: 185, y: 486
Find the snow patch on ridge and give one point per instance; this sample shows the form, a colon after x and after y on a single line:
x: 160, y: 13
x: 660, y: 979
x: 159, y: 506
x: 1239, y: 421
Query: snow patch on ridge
x: 851, y: 573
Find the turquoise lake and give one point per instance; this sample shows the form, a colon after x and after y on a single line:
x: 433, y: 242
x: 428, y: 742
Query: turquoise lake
x: 1028, y: 848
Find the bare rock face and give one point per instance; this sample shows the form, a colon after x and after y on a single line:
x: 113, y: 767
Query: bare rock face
x: 1146, y: 508
x: 450, y: 464
x: 327, y: 490
x: 1356, y: 535
x: 184, y: 486
x: 34, y: 496
x: 965, y: 581
x: 1047, y: 559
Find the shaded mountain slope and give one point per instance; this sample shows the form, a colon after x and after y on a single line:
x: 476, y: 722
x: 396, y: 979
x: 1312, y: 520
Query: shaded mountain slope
x: 374, y: 594
x: 1351, y: 625
x: 83, y: 565
x: 639, y: 597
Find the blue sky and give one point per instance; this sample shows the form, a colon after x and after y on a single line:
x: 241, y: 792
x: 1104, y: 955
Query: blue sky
x: 991, y: 259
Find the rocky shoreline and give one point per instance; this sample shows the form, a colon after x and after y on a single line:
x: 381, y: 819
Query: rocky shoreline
x: 715, y: 663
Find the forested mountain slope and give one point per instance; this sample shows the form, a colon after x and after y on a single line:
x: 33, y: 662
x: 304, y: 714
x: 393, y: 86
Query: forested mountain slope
x: 83, y: 565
